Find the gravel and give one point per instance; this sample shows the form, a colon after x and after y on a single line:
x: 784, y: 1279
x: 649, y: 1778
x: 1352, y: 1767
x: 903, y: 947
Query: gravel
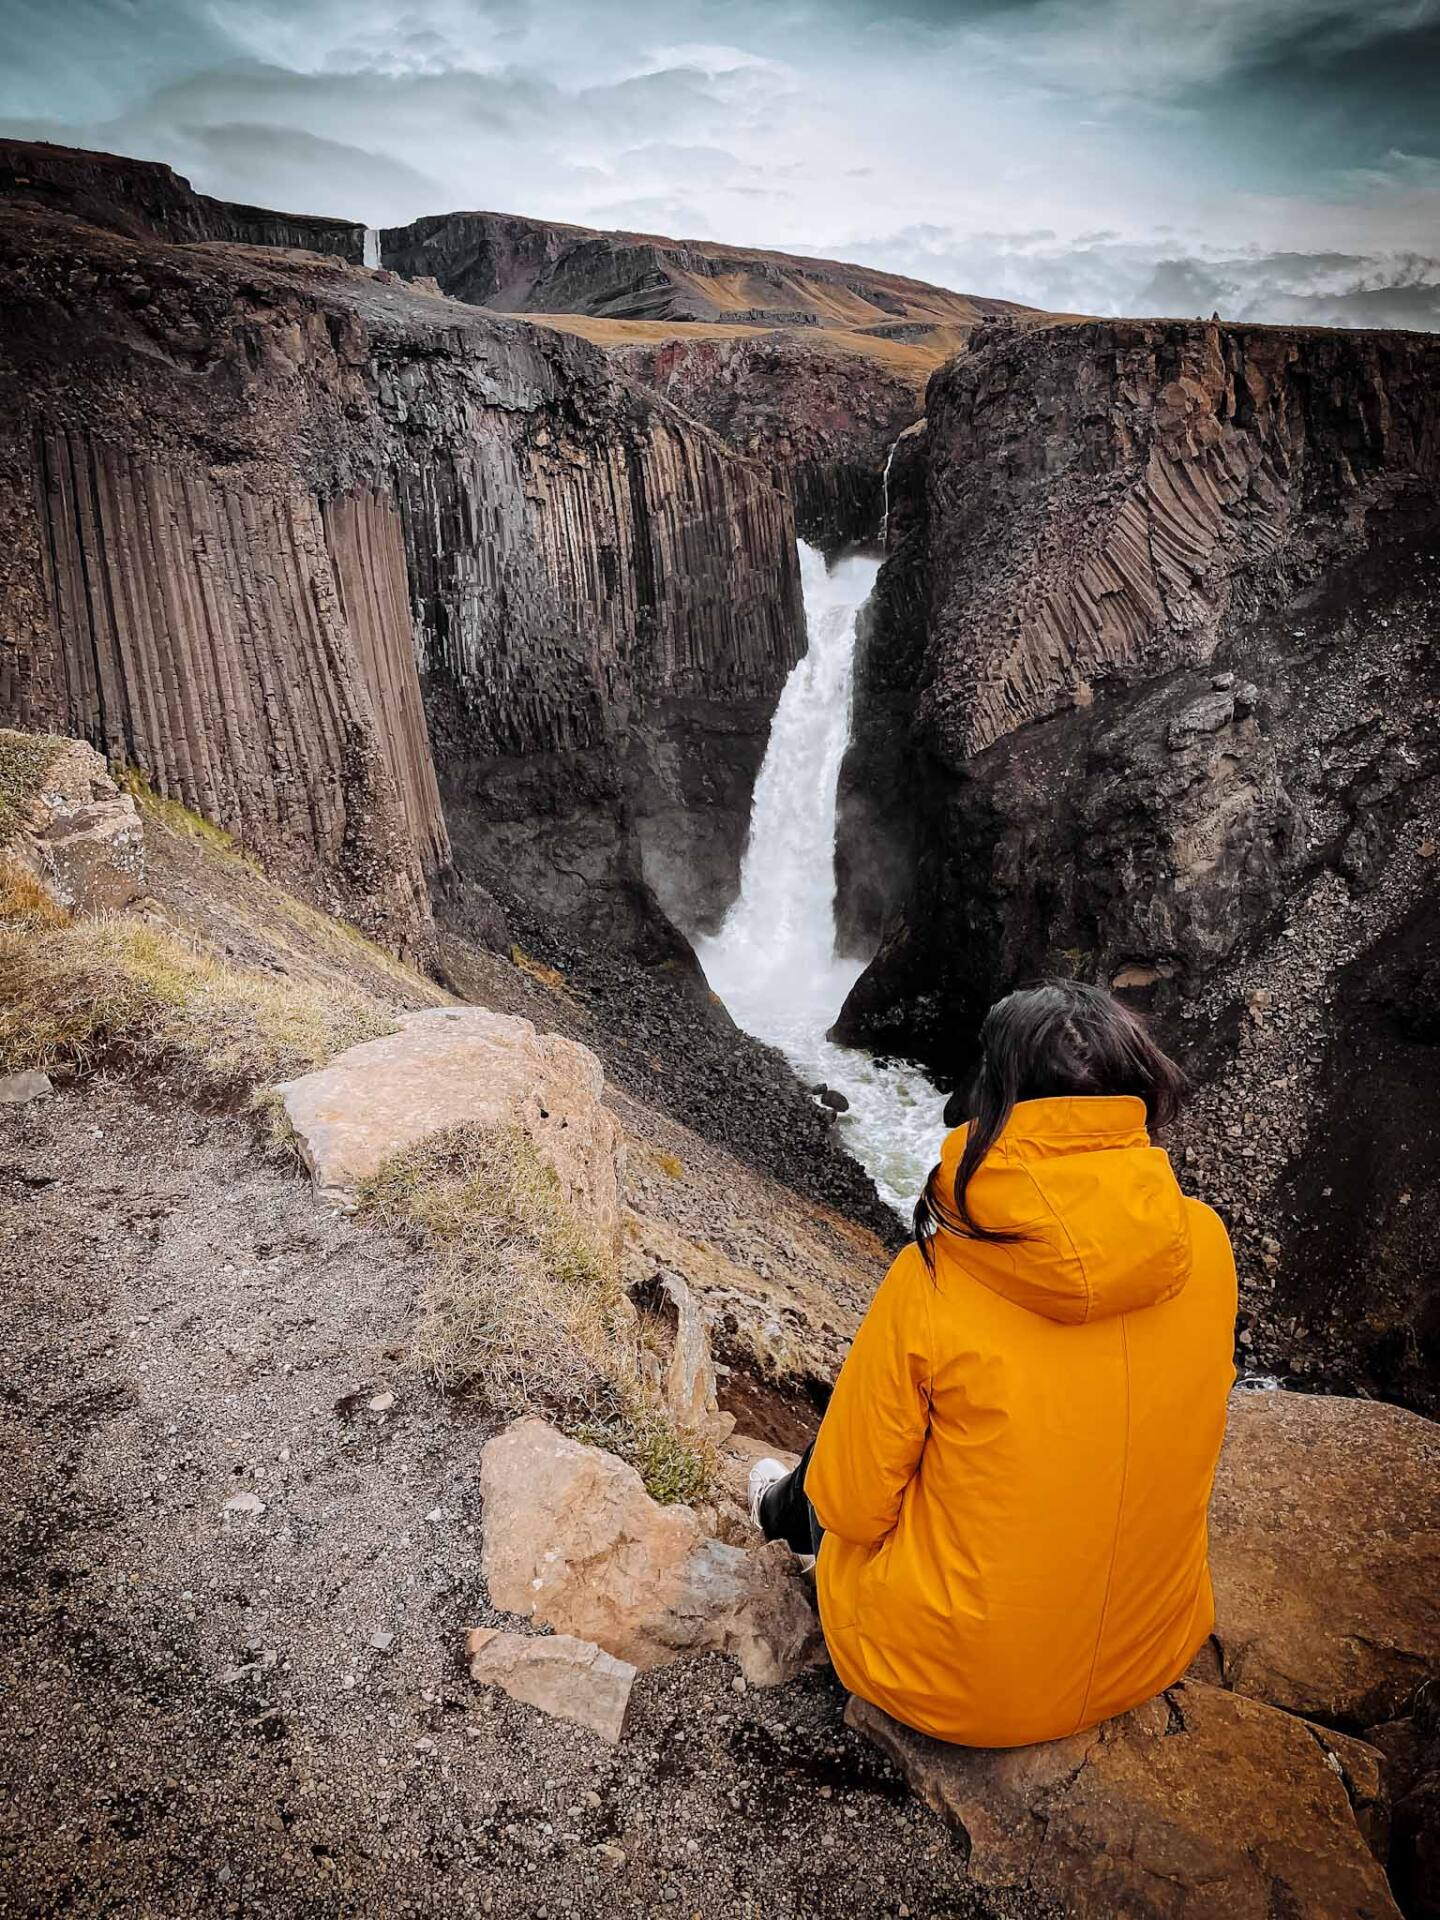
x: 236, y: 1584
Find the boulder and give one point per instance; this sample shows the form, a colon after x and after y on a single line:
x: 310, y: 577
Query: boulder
x: 454, y: 1066
x: 686, y: 1383
x: 572, y: 1539
x: 567, y: 1678
x: 1196, y: 1804
x: 19, y: 1089
x: 1325, y: 1552
x: 80, y: 836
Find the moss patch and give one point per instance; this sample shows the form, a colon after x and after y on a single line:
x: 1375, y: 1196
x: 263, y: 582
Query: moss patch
x: 178, y: 818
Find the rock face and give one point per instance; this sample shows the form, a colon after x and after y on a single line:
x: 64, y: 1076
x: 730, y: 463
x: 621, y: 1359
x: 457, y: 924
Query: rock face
x: 462, y: 1066
x: 519, y: 265
x: 1198, y: 1803
x: 1325, y: 1553
x: 275, y: 520
x: 572, y: 1539
x: 79, y: 835
x: 821, y: 410
x: 1150, y: 696
x: 567, y: 1678
x: 811, y: 366
x: 149, y: 201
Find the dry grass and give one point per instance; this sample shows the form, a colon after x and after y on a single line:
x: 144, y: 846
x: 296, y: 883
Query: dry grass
x: 23, y: 760
x: 119, y: 985
x: 25, y: 905
x: 522, y: 1305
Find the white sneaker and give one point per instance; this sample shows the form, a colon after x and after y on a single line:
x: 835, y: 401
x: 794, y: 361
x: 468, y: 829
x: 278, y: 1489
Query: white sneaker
x: 763, y: 1475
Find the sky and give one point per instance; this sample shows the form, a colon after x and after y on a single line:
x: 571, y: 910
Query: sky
x: 1274, y: 159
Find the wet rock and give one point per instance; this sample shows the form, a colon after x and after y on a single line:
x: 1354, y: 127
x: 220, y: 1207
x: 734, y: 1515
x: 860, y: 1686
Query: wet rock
x: 836, y: 1101
x: 572, y: 1539
x: 567, y: 1678
x: 1324, y: 1544
x: 1198, y: 1803
x: 457, y: 1066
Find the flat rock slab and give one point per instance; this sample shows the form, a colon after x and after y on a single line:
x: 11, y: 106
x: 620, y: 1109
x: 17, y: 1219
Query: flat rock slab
x: 458, y: 1066
x: 570, y: 1679
x: 19, y: 1089
x: 1196, y: 1804
x: 572, y: 1539
x: 1325, y: 1552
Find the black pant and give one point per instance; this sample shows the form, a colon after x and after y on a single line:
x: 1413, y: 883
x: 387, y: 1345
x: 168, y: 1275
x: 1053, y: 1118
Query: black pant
x: 786, y: 1514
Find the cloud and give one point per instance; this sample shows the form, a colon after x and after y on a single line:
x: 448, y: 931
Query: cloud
x: 1106, y: 275
x: 1081, y: 153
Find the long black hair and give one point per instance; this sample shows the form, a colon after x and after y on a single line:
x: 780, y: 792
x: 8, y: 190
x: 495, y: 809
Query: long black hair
x: 1059, y: 1038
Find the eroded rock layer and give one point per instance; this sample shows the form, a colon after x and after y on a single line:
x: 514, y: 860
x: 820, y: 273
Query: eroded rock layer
x: 277, y: 525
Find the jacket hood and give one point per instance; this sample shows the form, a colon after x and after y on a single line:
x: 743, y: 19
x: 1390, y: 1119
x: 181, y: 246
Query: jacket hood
x: 1105, y: 1224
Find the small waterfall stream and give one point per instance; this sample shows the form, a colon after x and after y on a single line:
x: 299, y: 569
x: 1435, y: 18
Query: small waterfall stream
x: 371, y: 253
x: 773, y: 961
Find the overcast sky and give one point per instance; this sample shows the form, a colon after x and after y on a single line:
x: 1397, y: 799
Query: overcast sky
x: 1279, y: 159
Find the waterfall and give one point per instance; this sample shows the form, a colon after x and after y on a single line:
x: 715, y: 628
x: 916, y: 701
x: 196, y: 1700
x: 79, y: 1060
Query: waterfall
x: 372, y: 247
x: 773, y: 962
x: 885, y: 491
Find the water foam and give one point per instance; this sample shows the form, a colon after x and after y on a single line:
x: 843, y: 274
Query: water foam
x: 773, y: 962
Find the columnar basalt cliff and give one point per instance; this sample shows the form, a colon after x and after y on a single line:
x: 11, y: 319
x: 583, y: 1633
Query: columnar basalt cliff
x: 820, y: 409
x: 260, y: 505
x: 812, y: 366
x: 1151, y: 696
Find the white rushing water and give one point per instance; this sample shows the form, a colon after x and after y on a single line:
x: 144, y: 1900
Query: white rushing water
x: 773, y: 961
x: 372, y: 247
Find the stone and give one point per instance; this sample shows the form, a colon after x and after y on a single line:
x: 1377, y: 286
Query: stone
x: 458, y: 1066
x: 571, y: 1539
x: 381, y: 1403
x: 688, y: 1381
x: 1325, y: 1553
x: 19, y: 1089
x: 248, y: 1505
x: 80, y: 836
x: 567, y: 1678
x: 1198, y: 1803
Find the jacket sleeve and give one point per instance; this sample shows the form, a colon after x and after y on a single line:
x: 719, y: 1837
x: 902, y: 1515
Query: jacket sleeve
x: 873, y: 1433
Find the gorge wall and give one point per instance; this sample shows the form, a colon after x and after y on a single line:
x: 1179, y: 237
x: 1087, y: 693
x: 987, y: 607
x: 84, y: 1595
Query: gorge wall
x: 812, y: 366
x: 1150, y: 696
x: 280, y: 525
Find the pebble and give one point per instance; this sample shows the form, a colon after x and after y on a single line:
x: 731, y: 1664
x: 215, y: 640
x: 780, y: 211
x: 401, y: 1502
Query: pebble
x: 382, y: 1403
x: 245, y: 1503
x: 382, y: 1642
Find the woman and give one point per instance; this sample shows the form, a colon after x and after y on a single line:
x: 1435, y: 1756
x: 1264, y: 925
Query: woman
x: 1013, y: 1473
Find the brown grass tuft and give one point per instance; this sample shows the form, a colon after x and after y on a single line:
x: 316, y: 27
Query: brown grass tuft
x: 70, y: 994
x: 23, y: 760
x: 521, y: 1304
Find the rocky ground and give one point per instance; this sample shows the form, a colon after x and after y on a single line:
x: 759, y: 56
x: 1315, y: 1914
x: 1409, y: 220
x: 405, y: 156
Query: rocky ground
x: 219, y: 1709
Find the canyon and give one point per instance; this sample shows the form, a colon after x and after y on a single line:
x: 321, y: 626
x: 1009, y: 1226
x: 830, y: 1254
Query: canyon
x: 635, y: 641
x: 1149, y: 693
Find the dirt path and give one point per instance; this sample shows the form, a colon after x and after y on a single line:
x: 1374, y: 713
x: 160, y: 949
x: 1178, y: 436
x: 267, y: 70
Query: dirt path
x: 198, y: 1715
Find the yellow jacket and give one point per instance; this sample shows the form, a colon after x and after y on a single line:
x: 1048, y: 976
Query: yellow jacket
x: 1014, y: 1470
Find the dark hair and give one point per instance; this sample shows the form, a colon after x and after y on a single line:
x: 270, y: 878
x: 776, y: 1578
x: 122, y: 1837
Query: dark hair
x: 1059, y: 1038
